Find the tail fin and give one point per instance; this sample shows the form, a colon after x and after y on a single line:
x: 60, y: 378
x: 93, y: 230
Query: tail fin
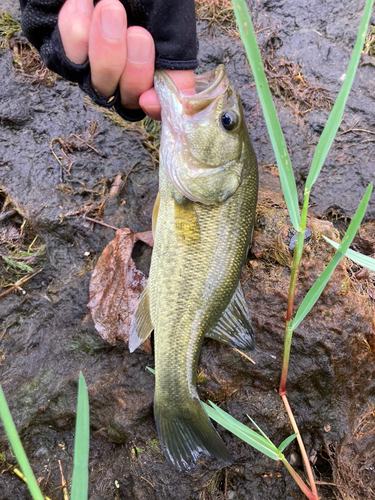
x: 185, y: 435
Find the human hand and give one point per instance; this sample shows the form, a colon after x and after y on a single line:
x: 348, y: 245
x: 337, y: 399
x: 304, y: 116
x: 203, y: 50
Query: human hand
x: 119, y: 56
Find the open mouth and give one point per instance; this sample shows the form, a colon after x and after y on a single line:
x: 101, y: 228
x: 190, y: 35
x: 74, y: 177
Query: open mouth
x: 208, y: 86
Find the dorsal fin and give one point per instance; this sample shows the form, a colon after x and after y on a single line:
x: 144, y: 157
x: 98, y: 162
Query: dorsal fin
x: 234, y: 327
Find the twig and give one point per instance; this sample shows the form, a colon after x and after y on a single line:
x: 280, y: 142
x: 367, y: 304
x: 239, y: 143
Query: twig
x: 18, y: 284
x: 4, y: 332
x: 244, y: 355
x: 71, y: 161
x: 349, y: 129
x: 147, y: 481
x: 101, y: 223
x: 130, y: 171
x: 326, y: 484
x: 54, y: 154
x: 357, y: 130
x: 263, y: 29
x: 87, y: 144
x: 57, y: 158
x: 63, y: 483
x: 18, y: 473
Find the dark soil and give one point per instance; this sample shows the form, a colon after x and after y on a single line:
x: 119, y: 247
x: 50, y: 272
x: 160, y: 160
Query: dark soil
x: 47, y: 335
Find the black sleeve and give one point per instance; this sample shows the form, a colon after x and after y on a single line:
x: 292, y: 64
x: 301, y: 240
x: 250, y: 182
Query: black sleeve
x: 171, y: 23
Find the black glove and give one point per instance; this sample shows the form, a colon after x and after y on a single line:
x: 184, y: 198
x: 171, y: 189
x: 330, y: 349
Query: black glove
x: 171, y: 23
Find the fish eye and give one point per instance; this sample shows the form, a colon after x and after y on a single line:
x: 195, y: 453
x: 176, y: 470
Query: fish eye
x: 229, y: 120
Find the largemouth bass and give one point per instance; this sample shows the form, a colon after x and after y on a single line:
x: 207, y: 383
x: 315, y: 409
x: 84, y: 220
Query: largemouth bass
x: 204, y: 220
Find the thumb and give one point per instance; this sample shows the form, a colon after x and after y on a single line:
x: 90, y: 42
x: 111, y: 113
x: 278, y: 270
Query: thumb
x: 149, y: 102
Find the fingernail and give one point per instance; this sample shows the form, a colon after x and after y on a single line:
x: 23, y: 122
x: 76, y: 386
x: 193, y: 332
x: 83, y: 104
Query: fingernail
x: 112, y: 19
x: 139, y: 49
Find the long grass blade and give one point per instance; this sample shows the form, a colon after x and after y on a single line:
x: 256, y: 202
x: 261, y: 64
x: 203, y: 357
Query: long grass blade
x: 232, y: 421
x: 315, y: 291
x: 240, y: 430
x: 260, y: 430
x: 81, y: 444
x: 15, y: 441
x: 358, y: 258
x: 287, y: 180
x: 334, y: 119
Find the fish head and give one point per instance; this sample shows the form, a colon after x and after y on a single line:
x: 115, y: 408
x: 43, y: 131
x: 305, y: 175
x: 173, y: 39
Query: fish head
x: 205, y: 143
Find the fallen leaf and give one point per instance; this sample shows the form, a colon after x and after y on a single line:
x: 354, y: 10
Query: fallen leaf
x: 115, y: 287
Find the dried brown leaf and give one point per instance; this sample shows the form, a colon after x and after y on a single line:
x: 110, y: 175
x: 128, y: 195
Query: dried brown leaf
x: 115, y: 287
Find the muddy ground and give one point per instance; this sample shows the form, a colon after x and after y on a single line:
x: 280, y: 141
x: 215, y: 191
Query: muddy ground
x: 48, y: 337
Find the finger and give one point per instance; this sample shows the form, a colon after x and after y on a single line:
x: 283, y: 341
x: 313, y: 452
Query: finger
x: 107, y: 46
x: 138, y: 75
x: 74, y: 26
x: 150, y: 104
x: 149, y: 101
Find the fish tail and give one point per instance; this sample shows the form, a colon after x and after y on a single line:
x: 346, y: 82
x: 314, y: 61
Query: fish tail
x: 184, y: 435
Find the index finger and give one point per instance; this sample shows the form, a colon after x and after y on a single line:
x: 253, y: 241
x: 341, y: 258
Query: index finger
x: 74, y: 25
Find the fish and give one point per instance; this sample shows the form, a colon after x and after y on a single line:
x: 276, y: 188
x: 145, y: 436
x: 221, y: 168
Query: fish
x: 203, y: 220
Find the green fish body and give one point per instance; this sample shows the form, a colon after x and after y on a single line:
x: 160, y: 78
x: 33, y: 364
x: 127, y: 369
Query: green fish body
x: 205, y: 218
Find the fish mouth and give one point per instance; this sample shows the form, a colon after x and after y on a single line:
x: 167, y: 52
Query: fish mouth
x: 208, y: 86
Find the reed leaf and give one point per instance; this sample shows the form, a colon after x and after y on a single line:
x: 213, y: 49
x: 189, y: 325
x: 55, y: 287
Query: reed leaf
x: 16, y: 444
x: 81, y: 444
x: 358, y: 258
x: 240, y: 430
x: 286, y: 442
x: 334, y: 119
x: 315, y: 291
x: 287, y: 180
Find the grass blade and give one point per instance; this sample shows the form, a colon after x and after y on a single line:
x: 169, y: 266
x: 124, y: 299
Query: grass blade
x: 314, y: 293
x: 81, y: 444
x: 334, y: 119
x: 286, y: 442
x: 15, y: 441
x: 287, y: 180
x: 358, y: 258
x: 260, y: 430
x: 240, y: 430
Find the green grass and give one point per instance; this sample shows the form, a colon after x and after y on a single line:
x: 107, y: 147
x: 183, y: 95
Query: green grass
x: 81, y: 446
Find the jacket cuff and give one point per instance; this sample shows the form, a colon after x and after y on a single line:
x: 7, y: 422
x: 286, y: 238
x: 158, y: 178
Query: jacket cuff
x: 173, y: 65
x: 131, y: 115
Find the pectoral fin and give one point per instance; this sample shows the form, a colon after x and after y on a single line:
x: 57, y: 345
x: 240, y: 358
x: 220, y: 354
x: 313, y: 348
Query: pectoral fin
x: 234, y: 327
x: 155, y: 213
x: 141, y: 325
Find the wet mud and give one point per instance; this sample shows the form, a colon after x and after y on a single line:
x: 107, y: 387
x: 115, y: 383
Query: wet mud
x: 59, y: 159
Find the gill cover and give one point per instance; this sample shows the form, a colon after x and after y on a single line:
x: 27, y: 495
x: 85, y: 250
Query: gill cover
x: 203, y: 137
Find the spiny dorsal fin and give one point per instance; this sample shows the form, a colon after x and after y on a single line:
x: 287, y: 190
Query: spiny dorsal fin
x: 141, y: 325
x: 234, y: 327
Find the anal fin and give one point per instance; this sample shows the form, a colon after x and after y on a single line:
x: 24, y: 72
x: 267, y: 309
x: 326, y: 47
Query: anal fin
x: 234, y: 327
x: 141, y: 325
